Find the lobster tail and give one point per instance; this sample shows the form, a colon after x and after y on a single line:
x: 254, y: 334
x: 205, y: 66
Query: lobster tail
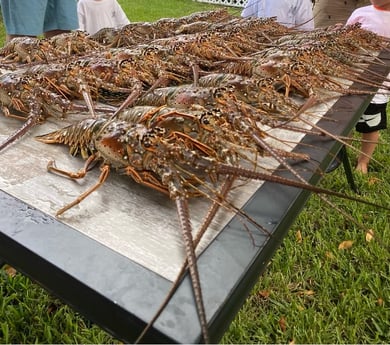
x: 78, y: 136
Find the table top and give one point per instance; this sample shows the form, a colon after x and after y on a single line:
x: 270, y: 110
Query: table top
x: 114, y: 257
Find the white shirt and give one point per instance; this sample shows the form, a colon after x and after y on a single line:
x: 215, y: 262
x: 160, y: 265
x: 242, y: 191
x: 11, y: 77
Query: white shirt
x: 290, y: 13
x: 377, y: 21
x: 98, y: 14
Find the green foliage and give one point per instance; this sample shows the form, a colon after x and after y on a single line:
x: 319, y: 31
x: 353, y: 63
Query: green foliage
x: 312, y: 292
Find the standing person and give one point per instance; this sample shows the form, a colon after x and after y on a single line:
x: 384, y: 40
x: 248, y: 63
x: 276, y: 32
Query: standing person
x: 38, y: 17
x: 98, y: 14
x: 291, y: 13
x: 331, y: 12
x: 376, y: 18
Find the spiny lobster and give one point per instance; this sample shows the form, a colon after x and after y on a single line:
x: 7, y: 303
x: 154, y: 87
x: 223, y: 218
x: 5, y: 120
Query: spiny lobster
x: 202, y: 138
x: 158, y: 152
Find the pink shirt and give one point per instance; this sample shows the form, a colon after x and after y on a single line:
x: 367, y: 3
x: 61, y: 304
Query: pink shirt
x: 377, y: 21
x: 372, y: 19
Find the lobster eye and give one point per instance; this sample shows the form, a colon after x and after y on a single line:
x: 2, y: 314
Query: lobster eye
x: 204, y: 120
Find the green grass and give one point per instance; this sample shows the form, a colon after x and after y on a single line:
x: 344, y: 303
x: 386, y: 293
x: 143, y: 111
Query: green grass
x: 30, y: 315
x: 321, y: 293
x: 2, y: 31
x: 156, y: 9
x: 312, y: 292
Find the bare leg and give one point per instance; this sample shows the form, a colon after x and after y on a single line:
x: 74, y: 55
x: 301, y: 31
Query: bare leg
x: 368, y: 147
x: 52, y: 33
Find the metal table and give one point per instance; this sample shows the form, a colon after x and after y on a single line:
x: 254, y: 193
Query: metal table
x: 121, y: 295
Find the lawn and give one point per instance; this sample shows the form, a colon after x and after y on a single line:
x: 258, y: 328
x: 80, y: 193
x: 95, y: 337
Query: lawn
x: 329, y: 282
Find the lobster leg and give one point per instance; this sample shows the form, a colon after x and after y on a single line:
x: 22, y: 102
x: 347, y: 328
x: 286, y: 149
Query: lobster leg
x: 105, y: 170
x: 145, y: 178
x: 31, y: 122
x: 73, y: 175
x: 7, y: 113
x: 33, y: 119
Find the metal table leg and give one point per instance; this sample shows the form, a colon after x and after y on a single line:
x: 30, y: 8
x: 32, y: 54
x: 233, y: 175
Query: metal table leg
x: 347, y: 168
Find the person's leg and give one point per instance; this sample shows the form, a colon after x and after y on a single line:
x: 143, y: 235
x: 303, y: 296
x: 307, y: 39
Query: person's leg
x: 23, y: 17
x: 60, y: 17
x: 373, y: 120
x: 370, y: 141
